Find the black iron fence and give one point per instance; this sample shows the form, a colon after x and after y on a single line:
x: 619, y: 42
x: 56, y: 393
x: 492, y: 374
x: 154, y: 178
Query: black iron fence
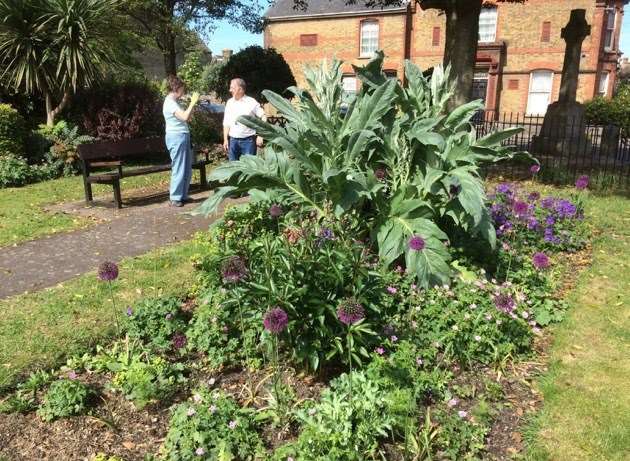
x: 566, y: 149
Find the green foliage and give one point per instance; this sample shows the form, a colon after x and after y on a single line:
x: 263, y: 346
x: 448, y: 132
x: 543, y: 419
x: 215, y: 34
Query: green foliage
x: 65, y: 139
x: 15, y: 171
x: 261, y: 68
x: 458, y: 438
x: 206, y: 129
x: 212, y: 427
x: 65, y: 397
x: 615, y: 111
x: 396, y: 155
x: 191, y: 71
x: 350, y: 420
x: 155, y: 321
x: 210, y: 76
x: 13, y: 132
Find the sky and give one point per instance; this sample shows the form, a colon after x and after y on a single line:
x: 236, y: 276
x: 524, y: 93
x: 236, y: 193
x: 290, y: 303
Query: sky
x: 228, y: 36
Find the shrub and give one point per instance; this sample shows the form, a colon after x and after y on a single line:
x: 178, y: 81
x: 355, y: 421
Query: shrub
x: 15, y: 171
x: 206, y: 129
x: 65, y: 139
x: 65, y: 397
x: 144, y: 380
x: 156, y: 321
x: 261, y: 68
x: 211, y: 426
x: 119, y: 110
x: 190, y: 71
x: 13, y: 132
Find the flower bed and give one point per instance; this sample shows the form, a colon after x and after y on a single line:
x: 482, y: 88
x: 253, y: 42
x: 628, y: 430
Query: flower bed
x: 377, y: 307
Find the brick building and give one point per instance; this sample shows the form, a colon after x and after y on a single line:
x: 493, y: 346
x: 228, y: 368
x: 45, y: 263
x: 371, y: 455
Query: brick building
x: 520, y: 55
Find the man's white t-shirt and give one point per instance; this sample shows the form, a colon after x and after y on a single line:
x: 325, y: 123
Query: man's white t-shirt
x: 236, y: 108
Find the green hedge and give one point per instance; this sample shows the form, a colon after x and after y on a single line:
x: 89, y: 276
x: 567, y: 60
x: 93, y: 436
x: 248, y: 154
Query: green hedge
x: 13, y: 131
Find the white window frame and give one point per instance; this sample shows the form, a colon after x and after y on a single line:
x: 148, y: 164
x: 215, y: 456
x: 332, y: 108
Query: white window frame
x: 603, y: 84
x: 531, y: 91
x: 370, y: 30
x: 609, y: 28
x: 350, y: 85
x: 489, y: 16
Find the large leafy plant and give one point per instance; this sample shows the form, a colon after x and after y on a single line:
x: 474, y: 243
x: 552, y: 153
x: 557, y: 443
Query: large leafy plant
x: 395, y: 155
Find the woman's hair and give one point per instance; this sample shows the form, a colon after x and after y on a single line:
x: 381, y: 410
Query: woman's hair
x: 175, y: 83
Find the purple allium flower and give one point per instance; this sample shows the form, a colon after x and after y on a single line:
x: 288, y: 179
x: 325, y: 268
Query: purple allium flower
x: 179, y: 340
x: 129, y: 311
x: 350, y: 311
x: 232, y: 424
x: 275, y: 320
x: 462, y: 413
x: 191, y: 411
x: 520, y: 208
x: 547, y: 202
x: 380, y: 174
x: 540, y: 260
x: 392, y: 290
x: 504, y: 189
x: 533, y: 196
x: 200, y: 451
x: 379, y: 350
x: 275, y: 210
x: 233, y: 270
x: 582, y: 182
x: 108, y: 271
x: 416, y: 243
x: 504, y: 302
x: 534, y: 169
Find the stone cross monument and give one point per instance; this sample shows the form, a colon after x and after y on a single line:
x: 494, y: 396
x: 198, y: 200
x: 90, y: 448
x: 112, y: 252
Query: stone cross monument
x: 563, y: 128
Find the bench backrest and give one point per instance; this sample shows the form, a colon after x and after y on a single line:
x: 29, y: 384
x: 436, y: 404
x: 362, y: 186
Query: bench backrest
x: 123, y: 149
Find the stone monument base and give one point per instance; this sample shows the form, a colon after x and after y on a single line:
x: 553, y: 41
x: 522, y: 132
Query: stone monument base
x: 563, y: 131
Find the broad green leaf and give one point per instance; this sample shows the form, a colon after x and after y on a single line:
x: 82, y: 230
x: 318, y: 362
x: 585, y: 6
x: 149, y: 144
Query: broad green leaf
x: 497, y: 137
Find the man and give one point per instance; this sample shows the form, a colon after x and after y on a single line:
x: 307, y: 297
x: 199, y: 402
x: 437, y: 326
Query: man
x: 237, y: 138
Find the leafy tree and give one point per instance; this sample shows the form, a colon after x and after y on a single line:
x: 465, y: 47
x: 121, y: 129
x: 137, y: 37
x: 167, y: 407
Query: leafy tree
x: 262, y: 69
x: 54, y: 47
x: 462, y: 32
x: 167, y: 22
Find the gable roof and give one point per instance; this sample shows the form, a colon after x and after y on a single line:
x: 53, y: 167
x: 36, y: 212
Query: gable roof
x: 284, y: 10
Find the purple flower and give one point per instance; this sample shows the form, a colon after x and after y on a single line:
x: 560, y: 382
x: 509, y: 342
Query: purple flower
x: 326, y: 234
x: 540, y: 260
x: 550, y: 220
x: 504, y: 188
x: 534, y: 169
x: 379, y: 350
x: 233, y: 270
x: 393, y: 338
x: 72, y: 374
x: 129, y: 311
x: 191, y: 411
x: 275, y: 210
x: 462, y: 413
x: 566, y: 209
x: 416, y: 243
x: 532, y: 223
x: 392, y: 290
x: 350, y: 311
x: 547, y: 202
x: 504, y: 302
x: 108, y: 271
x: 232, y: 424
x: 380, y: 174
x: 275, y: 320
x: 168, y: 316
x: 550, y: 236
x: 533, y: 196
x: 582, y: 182
x: 200, y: 451
x: 179, y: 340
x: 520, y: 208
x: 453, y: 402
x: 212, y: 408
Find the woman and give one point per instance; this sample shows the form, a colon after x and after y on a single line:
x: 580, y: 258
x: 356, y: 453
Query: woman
x: 178, y: 140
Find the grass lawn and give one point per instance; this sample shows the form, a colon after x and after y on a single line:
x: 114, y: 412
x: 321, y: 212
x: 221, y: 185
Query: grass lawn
x: 22, y: 215
x: 586, y: 412
x: 40, y: 329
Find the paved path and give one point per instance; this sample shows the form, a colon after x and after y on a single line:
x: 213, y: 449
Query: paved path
x: 134, y: 230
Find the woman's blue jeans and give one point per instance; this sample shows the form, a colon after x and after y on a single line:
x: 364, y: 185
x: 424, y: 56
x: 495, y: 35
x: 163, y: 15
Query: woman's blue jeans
x: 178, y: 145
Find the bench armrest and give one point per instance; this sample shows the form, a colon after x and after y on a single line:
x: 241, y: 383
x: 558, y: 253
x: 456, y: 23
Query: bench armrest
x: 112, y: 163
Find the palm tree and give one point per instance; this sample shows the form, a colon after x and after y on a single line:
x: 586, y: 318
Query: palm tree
x: 55, y: 47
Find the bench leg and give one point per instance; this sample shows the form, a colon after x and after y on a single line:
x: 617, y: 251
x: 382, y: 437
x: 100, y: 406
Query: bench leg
x: 88, y: 192
x: 117, y: 196
x: 203, y: 180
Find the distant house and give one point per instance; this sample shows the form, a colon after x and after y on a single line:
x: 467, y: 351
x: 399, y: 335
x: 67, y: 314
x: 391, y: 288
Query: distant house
x: 520, y: 55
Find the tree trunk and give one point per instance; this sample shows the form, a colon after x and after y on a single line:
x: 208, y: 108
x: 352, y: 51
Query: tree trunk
x: 170, y: 55
x: 462, y: 37
x: 51, y: 112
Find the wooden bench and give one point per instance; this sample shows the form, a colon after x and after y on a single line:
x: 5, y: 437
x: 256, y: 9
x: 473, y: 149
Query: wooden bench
x: 114, y: 154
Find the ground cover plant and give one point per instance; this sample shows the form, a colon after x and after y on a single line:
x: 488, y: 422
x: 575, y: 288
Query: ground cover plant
x: 308, y: 335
